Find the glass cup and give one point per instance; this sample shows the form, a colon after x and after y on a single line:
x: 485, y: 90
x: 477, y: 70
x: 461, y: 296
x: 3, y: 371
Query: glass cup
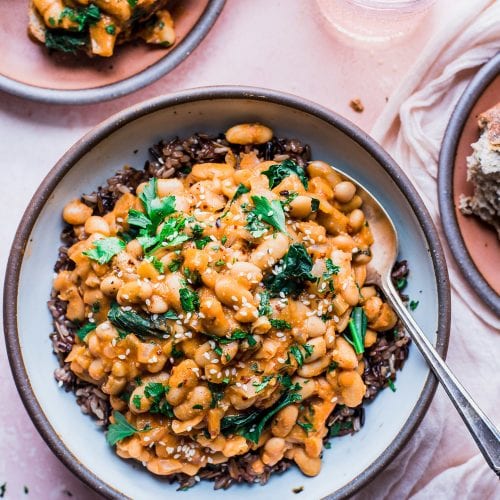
x: 374, y: 20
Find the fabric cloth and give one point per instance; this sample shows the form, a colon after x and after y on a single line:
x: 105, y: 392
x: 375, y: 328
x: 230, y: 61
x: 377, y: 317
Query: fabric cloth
x: 441, y: 461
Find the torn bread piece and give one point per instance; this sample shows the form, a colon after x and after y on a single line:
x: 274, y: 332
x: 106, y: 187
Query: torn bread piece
x: 483, y: 170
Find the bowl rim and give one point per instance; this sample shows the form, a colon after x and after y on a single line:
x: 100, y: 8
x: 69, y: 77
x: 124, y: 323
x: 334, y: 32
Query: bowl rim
x: 101, y: 132
x: 127, y: 85
x: 447, y: 155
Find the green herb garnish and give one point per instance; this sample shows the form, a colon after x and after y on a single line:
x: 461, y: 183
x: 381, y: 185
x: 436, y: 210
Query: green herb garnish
x: 104, y: 250
x: 292, y: 273
x: 84, y: 330
x: 357, y: 328
x: 270, y: 212
x: 265, y: 308
x: 111, y: 29
x: 120, y: 430
x: 130, y: 321
x: 241, y: 189
x: 276, y: 173
x: 414, y: 304
x: 70, y: 43
x: 251, y: 425
x: 280, y: 324
x: 260, y: 386
x: 331, y: 269
x: 190, y: 301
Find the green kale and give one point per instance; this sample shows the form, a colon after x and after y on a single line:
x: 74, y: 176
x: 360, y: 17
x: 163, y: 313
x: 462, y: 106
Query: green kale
x: 276, y: 173
x: 83, y: 331
x: 63, y: 41
x: 292, y: 273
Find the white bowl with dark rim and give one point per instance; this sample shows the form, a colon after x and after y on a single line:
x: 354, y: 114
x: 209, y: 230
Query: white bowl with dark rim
x: 390, y: 420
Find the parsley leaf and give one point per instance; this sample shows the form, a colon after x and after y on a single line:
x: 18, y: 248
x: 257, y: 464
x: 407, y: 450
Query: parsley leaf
x: 83, y: 17
x: 155, y: 392
x: 83, y: 331
x: 190, y: 301
x: 414, y: 304
x: 277, y: 173
x: 280, y: 324
x: 270, y: 212
x: 292, y: 273
x: 105, y: 249
x: 175, y: 265
x: 121, y: 429
x: 156, y: 208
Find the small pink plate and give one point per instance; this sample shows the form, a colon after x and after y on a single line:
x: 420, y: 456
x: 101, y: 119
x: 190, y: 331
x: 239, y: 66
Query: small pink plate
x: 27, y: 69
x: 474, y: 244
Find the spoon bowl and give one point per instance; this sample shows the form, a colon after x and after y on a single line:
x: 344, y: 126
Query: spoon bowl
x: 384, y: 255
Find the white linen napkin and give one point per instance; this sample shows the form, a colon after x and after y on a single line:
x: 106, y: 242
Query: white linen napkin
x: 441, y: 460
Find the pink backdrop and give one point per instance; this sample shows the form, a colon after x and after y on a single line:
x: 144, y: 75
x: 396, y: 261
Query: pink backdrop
x: 280, y: 44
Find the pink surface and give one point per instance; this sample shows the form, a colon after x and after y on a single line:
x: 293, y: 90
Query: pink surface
x: 281, y: 44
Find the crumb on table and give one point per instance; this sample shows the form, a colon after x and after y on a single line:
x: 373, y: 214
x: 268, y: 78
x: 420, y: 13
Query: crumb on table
x: 357, y: 105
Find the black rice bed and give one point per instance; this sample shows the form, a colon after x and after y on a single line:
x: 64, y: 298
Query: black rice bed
x: 176, y: 157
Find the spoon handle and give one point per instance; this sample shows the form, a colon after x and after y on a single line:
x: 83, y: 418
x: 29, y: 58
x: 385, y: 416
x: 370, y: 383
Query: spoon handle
x: 483, y: 431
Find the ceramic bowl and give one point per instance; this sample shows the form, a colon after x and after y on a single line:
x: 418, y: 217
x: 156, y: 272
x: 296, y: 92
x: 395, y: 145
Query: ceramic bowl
x: 28, y: 70
x: 124, y: 139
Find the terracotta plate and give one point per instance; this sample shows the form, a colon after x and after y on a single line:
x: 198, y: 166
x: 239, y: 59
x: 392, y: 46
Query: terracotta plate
x: 474, y: 244
x: 28, y: 70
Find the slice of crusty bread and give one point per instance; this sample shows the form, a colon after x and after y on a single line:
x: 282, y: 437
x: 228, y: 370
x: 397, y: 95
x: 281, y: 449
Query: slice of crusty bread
x: 483, y: 170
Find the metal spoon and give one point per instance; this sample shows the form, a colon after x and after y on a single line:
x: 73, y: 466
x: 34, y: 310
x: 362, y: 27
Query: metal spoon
x: 384, y: 254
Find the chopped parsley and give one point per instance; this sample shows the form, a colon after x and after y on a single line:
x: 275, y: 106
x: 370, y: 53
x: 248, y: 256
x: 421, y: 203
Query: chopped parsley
x: 276, y: 173
x: 391, y: 385
x: 291, y: 275
x: 83, y: 17
x: 401, y: 283
x: 414, y: 304
x: 175, y: 265
x: 280, y: 324
x: 267, y: 211
x: 104, y: 250
x: 136, y: 401
x: 111, y: 29
x: 156, y: 392
x: 132, y: 3
x: 190, y: 301
x: 120, y: 430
